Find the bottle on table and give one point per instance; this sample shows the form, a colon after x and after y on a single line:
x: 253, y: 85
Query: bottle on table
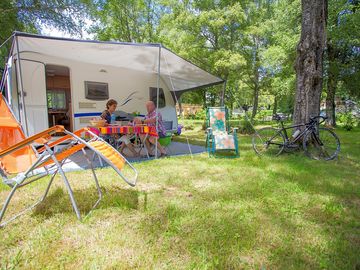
x: 112, y: 118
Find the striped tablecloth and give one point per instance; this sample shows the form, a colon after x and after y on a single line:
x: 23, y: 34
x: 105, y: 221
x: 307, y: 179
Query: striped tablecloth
x: 151, y: 130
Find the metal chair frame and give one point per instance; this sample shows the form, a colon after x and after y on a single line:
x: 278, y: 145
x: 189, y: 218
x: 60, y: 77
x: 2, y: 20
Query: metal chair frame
x: 50, y: 163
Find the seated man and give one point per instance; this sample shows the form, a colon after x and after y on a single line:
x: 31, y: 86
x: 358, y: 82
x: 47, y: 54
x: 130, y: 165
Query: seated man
x: 150, y: 120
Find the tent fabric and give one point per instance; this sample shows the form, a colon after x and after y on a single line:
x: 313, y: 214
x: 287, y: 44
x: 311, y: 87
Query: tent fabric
x: 177, y: 73
x: 10, y: 134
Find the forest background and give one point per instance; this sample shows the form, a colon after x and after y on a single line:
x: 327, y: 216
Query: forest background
x: 250, y: 44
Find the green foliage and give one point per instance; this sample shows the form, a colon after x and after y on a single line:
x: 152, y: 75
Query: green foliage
x: 194, y: 97
x: 199, y: 115
x: 286, y: 104
x: 343, y: 56
x: 283, y: 31
x: 347, y: 120
x: 262, y: 115
x: 127, y: 21
x: 31, y: 15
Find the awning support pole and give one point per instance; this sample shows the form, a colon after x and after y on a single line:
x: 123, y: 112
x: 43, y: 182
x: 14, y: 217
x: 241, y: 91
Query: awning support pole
x: 6, y: 40
x: 157, y: 102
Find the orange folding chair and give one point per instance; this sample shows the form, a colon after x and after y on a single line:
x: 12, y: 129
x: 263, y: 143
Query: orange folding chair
x: 21, y: 164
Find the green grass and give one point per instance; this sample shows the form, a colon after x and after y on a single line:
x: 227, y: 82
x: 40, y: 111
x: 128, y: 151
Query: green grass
x: 288, y: 212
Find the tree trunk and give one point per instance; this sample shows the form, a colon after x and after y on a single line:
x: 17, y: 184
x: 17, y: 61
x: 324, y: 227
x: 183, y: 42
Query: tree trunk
x: 309, y: 62
x: 255, y: 101
x: 222, y: 97
x: 275, y: 105
x: 231, y: 100
x: 204, y: 99
x: 180, y: 107
x: 331, y: 86
x: 256, y: 81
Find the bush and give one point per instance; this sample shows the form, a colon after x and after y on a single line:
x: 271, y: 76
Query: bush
x: 189, y: 127
x: 347, y: 120
x: 246, y: 127
x: 199, y: 115
x: 263, y: 115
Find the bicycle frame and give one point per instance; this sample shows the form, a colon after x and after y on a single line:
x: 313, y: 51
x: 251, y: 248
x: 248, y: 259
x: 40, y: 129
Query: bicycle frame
x: 308, y: 127
x: 283, y: 129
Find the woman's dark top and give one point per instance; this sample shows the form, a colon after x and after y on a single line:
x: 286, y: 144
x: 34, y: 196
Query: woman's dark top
x: 106, y: 115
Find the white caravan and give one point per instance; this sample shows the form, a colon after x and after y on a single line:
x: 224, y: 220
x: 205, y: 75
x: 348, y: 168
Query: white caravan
x: 52, y: 81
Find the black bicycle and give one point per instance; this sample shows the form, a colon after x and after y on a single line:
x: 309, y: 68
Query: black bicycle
x: 318, y: 142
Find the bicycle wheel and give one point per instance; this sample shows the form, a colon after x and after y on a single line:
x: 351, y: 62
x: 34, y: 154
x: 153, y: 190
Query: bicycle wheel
x: 268, y: 142
x: 322, y: 145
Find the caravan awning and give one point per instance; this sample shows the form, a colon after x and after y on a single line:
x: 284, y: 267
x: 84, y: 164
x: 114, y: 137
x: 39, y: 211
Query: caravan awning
x: 177, y: 73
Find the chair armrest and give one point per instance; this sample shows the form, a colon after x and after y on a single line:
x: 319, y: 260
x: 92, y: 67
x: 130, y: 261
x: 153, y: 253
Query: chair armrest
x: 209, y: 130
x: 235, y: 130
x: 44, y: 135
x: 65, y: 138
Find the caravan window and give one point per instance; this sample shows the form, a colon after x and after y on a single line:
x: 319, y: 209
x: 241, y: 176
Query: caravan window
x: 153, y: 95
x: 96, y: 90
x: 56, y: 99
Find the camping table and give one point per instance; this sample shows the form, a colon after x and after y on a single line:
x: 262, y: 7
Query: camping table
x: 126, y: 130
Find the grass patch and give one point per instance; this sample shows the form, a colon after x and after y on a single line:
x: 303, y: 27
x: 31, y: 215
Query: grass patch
x: 288, y: 212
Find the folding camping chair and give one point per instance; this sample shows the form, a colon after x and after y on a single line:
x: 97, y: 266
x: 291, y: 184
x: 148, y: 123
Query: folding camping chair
x: 49, y: 163
x: 219, y: 137
x: 21, y: 164
x: 166, y: 142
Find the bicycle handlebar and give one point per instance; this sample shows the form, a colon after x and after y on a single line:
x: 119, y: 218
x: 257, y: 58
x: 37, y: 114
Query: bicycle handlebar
x: 322, y: 119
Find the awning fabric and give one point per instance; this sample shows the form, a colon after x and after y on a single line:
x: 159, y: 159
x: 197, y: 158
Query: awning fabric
x: 178, y: 73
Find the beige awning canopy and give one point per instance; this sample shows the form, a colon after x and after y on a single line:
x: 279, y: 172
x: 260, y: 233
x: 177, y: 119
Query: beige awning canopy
x: 177, y: 73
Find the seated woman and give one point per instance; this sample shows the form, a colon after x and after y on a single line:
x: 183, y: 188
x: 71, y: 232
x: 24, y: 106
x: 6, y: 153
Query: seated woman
x: 106, y: 114
x: 110, y: 109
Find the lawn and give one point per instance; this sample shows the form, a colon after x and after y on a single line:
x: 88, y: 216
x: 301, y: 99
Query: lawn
x: 197, y: 212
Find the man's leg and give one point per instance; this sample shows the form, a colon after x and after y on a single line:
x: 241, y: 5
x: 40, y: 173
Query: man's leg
x: 132, y: 149
x: 159, y: 146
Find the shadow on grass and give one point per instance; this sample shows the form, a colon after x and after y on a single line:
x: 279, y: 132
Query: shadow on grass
x: 58, y: 201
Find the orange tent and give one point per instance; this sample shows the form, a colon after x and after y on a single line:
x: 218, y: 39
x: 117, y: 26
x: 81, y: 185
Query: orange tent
x: 10, y: 134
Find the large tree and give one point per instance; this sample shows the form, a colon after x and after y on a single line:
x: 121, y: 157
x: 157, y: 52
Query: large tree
x: 209, y: 33
x: 309, y: 63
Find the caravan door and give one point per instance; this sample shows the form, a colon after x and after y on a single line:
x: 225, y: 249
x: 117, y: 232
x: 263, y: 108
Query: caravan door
x: 34, y: 84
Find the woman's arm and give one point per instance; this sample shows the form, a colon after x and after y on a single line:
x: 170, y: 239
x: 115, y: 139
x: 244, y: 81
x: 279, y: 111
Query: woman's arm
x: 103, y: 115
